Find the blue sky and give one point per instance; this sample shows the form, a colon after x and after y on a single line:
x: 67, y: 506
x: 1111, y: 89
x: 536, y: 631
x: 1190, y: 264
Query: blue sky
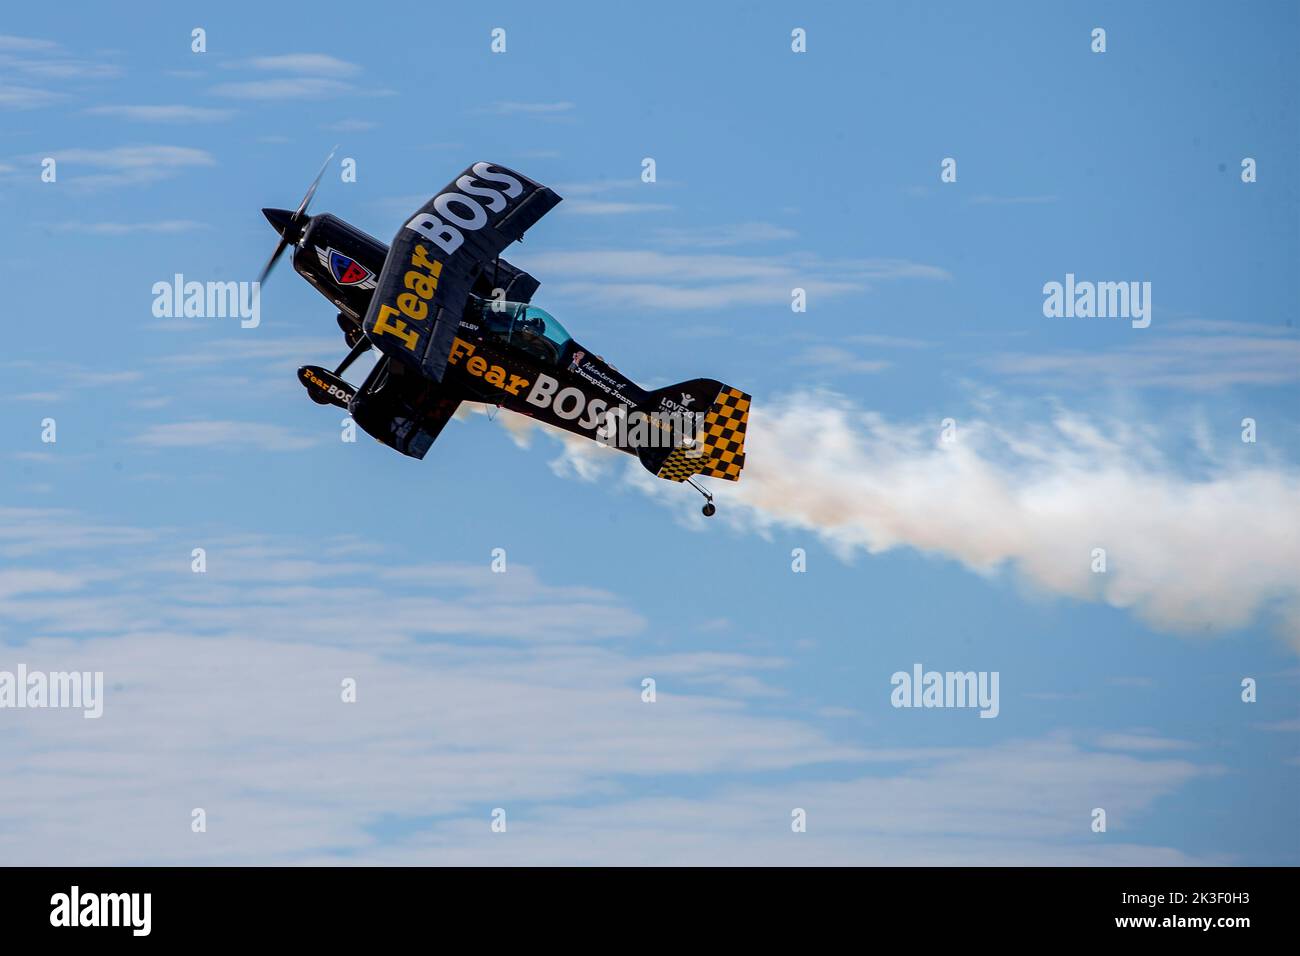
x: 820, y: 170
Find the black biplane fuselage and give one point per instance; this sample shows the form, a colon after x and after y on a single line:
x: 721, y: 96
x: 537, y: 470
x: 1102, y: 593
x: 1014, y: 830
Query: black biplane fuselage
x: 455, y: 323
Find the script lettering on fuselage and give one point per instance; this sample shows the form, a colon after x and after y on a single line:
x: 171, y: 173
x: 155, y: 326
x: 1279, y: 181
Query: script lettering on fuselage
x: 602, y: 380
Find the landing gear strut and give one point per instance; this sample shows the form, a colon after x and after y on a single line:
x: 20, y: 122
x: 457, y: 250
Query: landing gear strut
x: 708, y: 509
x: 359, y: 348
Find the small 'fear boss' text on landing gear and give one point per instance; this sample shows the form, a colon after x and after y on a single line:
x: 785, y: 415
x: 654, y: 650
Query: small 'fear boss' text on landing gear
x: 454, y: 322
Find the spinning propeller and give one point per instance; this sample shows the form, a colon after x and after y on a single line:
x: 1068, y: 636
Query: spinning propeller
x: 290, y: 224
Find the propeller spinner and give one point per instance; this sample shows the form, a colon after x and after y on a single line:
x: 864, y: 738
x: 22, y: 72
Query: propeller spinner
x: 291, y: 225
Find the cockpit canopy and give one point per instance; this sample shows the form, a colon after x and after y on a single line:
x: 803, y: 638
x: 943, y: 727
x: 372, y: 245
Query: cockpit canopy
x: 526, y: 328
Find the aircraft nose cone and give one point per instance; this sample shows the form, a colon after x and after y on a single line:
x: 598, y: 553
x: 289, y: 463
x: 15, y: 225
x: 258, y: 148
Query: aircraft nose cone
x: 278, y: 218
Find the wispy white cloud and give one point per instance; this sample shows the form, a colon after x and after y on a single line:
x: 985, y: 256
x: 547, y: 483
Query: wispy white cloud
x: 173, y: 113
x: 351, y: 126
x: 1227, y: 327
x: 223, y: 434
x: 1142, y: 742
x: 596, y: 187
x: 33, y: 531
x: 621, y: 265
x: 1012, y: 803
x: 71, y: 375
x: 250, y: 657
x: 127, y: 165
x: 1131, y: 681
x: 280, y: 352
x: 97, y: 378
x: 319, y: 64
x: 44, y: 61
x: 836, y: 359
x: 841, y: 359
x: 282, y: 88
x: 986, y: 199
x: 37, y: 581
x: 1291, y: 726
x: 10, y: 44
x: 598, y: 207
x: 1174, y: 358
x: 162, y: 226
x: 717, y: 237
x: 888, y: 341
x: 513, y: 107
x: 593, y: 198
x: 129, y: 157
x: 652, y: 279
x: 61, y: 69
x: 309, y: 75
x: 16, y: 97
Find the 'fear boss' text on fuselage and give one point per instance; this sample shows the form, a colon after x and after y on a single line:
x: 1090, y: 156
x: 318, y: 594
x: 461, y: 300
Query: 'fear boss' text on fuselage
x: 545, y: 397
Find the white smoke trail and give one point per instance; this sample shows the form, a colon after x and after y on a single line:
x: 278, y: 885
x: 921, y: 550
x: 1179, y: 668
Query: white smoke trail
x: 1183, y: 552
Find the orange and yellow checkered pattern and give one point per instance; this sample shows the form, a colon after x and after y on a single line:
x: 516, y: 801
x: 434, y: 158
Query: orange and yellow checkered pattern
x: 723, y: 439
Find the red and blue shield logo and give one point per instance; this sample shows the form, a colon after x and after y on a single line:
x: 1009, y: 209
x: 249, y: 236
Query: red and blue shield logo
x: 345, y: 270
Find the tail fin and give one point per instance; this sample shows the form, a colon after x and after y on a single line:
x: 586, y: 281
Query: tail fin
x: 719, y: 451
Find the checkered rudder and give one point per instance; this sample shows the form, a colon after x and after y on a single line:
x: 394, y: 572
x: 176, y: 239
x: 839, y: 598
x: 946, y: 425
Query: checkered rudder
x: 723, y: 439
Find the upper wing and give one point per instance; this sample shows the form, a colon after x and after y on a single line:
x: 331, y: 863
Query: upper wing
x: 437, y: 256
x: 515, y: 284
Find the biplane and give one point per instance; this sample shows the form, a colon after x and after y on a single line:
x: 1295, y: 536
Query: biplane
x: 454, y: 322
